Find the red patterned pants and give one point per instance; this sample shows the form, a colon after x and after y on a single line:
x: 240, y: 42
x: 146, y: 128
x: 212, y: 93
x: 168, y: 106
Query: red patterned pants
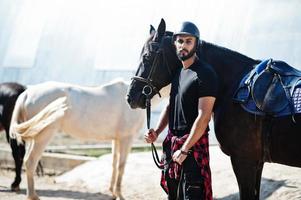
x: 192, y: 179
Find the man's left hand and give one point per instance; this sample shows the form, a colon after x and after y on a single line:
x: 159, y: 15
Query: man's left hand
x: 179, y: 157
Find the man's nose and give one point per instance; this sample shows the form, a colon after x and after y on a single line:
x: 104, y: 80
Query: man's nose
x: 183, y: 44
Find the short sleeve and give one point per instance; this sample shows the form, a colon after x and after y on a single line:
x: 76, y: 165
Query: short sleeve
x: 207, y: 83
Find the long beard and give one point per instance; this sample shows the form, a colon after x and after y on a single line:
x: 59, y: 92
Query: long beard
x: 183, y: 57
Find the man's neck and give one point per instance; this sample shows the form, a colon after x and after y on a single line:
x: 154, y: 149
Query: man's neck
x: 187, y: 63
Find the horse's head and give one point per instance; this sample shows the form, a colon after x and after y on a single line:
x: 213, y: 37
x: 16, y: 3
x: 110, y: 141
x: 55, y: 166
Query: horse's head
x: 158, y: 61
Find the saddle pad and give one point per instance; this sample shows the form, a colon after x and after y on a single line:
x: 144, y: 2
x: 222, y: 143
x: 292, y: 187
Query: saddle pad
x: 250, y: 105
x: 297, y: 99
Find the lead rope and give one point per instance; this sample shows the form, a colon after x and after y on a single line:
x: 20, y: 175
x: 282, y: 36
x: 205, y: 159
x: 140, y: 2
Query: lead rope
x: 154, y: 150
x: 147, y: 90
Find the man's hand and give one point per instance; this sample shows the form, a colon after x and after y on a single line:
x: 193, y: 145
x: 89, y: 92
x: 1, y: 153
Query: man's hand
x: 179, y: 157
x: 150, y: 136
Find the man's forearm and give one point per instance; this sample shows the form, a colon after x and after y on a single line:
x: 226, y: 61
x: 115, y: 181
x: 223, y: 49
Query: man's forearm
x: 198, y: 129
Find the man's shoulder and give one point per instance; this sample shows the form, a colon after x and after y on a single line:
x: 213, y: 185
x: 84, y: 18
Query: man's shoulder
x: 203, y: 68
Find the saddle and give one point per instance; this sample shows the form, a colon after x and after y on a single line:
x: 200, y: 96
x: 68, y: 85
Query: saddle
x: 271, y: 88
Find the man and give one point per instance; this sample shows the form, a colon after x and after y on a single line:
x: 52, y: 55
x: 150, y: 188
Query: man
x: 192, y: 97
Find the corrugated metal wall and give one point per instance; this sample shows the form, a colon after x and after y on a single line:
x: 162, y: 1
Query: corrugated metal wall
x: 92, y: 41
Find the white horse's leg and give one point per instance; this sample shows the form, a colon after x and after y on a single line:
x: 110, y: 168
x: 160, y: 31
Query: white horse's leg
x: 125, y: 147
x: 29, y: 165
x: 115, y: 152
x: 33, y: 155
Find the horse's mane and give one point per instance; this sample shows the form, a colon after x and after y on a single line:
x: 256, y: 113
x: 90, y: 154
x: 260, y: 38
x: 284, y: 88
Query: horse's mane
x: 166, y: 38
x: 168, y: 33
x: 225, y: 52
x: 218, y: 50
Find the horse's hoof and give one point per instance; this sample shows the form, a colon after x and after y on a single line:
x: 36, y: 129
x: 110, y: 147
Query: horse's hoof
x: 15, y: 188
x: 33, y: 198
x: 117, y: 196
x: 120, y: 198
x: 114, y: 197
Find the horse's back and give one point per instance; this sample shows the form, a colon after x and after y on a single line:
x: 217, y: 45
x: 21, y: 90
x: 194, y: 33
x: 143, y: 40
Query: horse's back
x: 93, y: 112
x: 11, y: 88
x: 9, y: 92
x: 38, y: 96
x: 100, y: 112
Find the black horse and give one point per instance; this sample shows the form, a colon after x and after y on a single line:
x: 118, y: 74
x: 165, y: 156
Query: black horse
x: 241, y: 135
x: 9, y: 93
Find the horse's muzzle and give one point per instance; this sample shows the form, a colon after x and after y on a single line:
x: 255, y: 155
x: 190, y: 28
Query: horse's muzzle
x: 138, y: 102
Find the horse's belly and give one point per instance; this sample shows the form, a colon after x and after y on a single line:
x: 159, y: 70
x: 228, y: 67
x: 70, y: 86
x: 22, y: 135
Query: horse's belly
x: 90, y: 126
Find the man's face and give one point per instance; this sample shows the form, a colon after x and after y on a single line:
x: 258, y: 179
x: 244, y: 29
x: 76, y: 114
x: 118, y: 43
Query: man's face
x: 185, y: 46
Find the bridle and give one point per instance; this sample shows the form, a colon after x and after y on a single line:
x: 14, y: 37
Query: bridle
x: 147, y: 91
x: 149, y: 88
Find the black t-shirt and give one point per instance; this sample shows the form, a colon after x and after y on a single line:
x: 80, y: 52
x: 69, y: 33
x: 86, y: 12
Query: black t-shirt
x: 188, y: 85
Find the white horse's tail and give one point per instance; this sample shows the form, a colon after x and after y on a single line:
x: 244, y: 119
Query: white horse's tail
x: 32, y: 127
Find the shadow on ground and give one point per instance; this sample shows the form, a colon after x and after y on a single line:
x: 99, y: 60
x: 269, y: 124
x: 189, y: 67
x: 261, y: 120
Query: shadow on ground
x: 268, y: 187
x: 66, y: 194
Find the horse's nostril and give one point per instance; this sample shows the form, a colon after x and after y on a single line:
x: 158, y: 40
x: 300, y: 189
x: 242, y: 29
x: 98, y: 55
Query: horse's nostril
x: 131, y: 102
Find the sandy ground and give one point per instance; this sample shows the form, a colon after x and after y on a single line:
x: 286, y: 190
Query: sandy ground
x: 141, y: 181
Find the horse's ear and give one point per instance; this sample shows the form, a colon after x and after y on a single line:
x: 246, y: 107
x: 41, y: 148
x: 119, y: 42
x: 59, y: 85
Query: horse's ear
x: 161, y: 31
x: 152, y: 30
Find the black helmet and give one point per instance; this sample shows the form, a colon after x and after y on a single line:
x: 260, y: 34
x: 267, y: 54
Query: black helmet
x: 188, y: 28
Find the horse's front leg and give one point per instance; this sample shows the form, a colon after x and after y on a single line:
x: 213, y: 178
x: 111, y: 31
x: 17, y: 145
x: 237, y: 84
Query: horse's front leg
x: 124, y: 149
x: 248, y: 174
x: 115, y: 152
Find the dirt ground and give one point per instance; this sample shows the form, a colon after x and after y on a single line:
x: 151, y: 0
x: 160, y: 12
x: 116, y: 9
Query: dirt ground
x: 141, y: 181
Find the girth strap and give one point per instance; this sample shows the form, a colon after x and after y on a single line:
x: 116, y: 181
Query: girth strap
x: 266, y: 138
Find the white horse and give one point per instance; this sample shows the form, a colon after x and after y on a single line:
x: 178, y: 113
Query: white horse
x: 99, y: 113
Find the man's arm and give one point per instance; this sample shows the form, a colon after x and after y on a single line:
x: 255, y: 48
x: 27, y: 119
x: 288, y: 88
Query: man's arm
x: 200, y: 124
x: 153, y: 134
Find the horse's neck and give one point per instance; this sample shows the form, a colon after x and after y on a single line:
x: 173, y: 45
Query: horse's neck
x: 164, y: 94
x: 229, y: 65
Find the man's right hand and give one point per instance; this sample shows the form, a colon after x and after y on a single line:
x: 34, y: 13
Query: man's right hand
x: 150, y: 136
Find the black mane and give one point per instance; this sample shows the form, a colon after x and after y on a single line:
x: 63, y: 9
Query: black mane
x: 231, y: 54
